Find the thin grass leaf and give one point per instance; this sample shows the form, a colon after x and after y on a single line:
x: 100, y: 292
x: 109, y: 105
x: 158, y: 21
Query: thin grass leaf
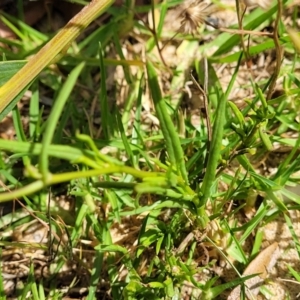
x: 126, y: 69
x: 213, y: 292
x: 135, y: 96
x: 60, y: 151
x: 29, y: 33
x: 252, y: 51
x: 235, y: 250
x: 216, y: 143
x: 257, y: 243
x: 287, y: 167
x: 41, y: 291
x: 136, y: 136
x: 294, y: 273
x: 19, y: 131
x: 12, y: 27
x: 124, y: 139
x: 239, y: 116
x: 254, y: 222
x: 173, y: 145
x: 289, y: 222
x: 34, y: 112
x: 95, y: 275
x: 106, y: 118
x: 34, y: 289
x: 54, y: 117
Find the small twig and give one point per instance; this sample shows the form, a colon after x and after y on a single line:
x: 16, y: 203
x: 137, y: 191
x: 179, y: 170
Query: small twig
x: 239, y: 31
x: 168, y: 41
x: 279, y: 52
x: 153, y: 32
x: 187, y: 240
x: 205, y: 85
x: 193, y: 235
x: 208, y: 124
x: 243, y: 31
x: 206, y: 254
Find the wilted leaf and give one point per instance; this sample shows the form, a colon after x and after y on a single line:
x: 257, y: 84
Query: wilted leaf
x: 262, y: 264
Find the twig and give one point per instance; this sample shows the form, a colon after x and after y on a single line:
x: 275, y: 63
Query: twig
x: 208, y: 124
x: 239, y: 31
x: 153, y: 32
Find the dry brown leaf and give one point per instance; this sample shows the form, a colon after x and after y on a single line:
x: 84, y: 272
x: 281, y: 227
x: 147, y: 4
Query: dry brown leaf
x: 262, y: 264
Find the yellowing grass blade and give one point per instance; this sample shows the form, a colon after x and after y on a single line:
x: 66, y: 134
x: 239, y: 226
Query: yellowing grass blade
x: 39, y: 61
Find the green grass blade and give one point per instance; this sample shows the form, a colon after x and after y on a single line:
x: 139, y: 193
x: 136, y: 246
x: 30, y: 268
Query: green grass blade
x: 34, y: 112
x: 136, y: 137
x: 19, y: 130
x: 125, y: 139
x: 105, y: 113
x: 295, y: 236
x: 54, y: 117
x: 216, y: 143
x: 172, y: 140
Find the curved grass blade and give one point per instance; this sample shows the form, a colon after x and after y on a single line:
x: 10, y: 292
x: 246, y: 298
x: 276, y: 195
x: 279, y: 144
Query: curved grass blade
x: 171, y: 136
x: 54, y: 117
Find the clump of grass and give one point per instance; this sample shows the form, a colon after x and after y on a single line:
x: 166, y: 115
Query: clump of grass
x: 136, y: 211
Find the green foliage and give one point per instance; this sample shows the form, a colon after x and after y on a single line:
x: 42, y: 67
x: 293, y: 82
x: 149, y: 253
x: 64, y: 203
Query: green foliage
x: 165, y: 190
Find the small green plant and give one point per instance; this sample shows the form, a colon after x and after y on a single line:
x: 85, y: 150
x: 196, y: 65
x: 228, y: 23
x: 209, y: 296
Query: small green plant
x: 139, y: 211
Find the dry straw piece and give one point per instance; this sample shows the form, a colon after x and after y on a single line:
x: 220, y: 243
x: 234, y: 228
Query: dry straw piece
x: 264, y: 4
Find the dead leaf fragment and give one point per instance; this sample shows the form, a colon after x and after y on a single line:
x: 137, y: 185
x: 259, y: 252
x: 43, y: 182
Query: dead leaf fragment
x: 262, y: 264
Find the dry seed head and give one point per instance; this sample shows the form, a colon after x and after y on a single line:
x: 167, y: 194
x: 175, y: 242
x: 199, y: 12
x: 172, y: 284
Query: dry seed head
x: 193, y: 14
